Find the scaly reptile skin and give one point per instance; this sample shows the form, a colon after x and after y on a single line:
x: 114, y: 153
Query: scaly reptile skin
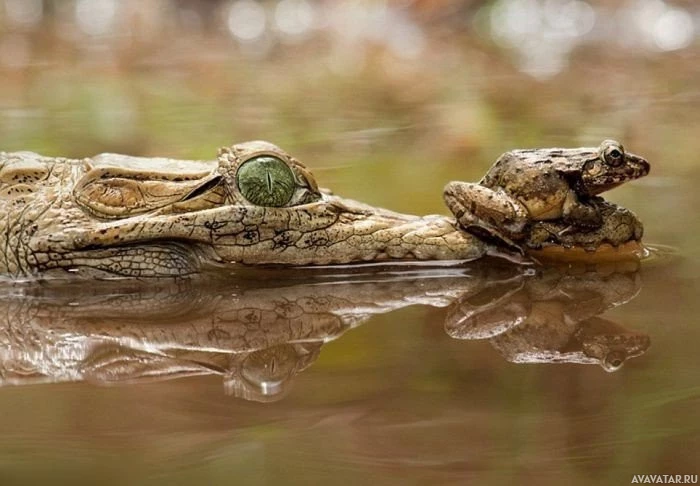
x: 114, y: 215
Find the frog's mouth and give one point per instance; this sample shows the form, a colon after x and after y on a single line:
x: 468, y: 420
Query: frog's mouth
x: 634, y: 167
x: 599, y: 189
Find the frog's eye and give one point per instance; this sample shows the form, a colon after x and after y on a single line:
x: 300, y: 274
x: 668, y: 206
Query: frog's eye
x: 613, y: 153
x: 266, y: 181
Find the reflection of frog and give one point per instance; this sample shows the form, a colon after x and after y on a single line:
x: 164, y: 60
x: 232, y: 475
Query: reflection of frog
x: 552, y: 318
x: 526, y: 186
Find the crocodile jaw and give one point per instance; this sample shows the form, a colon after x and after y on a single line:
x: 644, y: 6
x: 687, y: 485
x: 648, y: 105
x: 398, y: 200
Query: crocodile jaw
x: 331, y: 231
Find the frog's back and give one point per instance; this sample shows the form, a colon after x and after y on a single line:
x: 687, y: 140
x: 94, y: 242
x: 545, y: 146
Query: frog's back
x: 557, y: 159
x: 540, y: 179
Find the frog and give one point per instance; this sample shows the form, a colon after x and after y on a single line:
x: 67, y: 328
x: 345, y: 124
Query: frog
x: 528, y: 186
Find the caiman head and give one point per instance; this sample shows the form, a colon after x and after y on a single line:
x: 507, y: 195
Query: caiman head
x: 115, y: 215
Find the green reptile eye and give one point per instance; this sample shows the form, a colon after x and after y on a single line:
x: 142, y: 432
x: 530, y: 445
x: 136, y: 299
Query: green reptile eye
x: 266, y: 181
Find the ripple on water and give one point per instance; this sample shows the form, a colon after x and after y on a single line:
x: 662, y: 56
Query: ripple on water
x: 656, y: 253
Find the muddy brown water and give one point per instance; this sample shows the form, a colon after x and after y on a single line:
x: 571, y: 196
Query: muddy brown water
x: 398, y: 375
x: 483, y: 373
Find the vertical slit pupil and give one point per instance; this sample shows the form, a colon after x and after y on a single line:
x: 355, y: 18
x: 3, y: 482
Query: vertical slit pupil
x: 266, y: 181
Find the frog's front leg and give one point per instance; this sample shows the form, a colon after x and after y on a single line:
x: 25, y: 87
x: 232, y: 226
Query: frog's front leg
x: 581, y: 214
x: 487, y: 212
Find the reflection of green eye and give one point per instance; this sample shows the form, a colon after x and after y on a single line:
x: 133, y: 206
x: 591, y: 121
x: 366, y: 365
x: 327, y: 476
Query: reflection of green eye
x: 266, y: 181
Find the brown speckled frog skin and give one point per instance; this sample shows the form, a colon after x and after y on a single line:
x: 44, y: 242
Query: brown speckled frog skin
x: 526, y: 186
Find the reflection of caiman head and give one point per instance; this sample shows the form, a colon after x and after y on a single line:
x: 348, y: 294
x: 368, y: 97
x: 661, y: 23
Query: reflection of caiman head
x: 259, y: 337
x: 265, y: 375
x: 256, y: 337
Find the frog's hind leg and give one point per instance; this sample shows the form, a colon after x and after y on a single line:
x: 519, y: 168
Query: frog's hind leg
x: 488, y: 213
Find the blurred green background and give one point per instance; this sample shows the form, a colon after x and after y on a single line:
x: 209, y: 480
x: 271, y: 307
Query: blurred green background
x: 385, y: 101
